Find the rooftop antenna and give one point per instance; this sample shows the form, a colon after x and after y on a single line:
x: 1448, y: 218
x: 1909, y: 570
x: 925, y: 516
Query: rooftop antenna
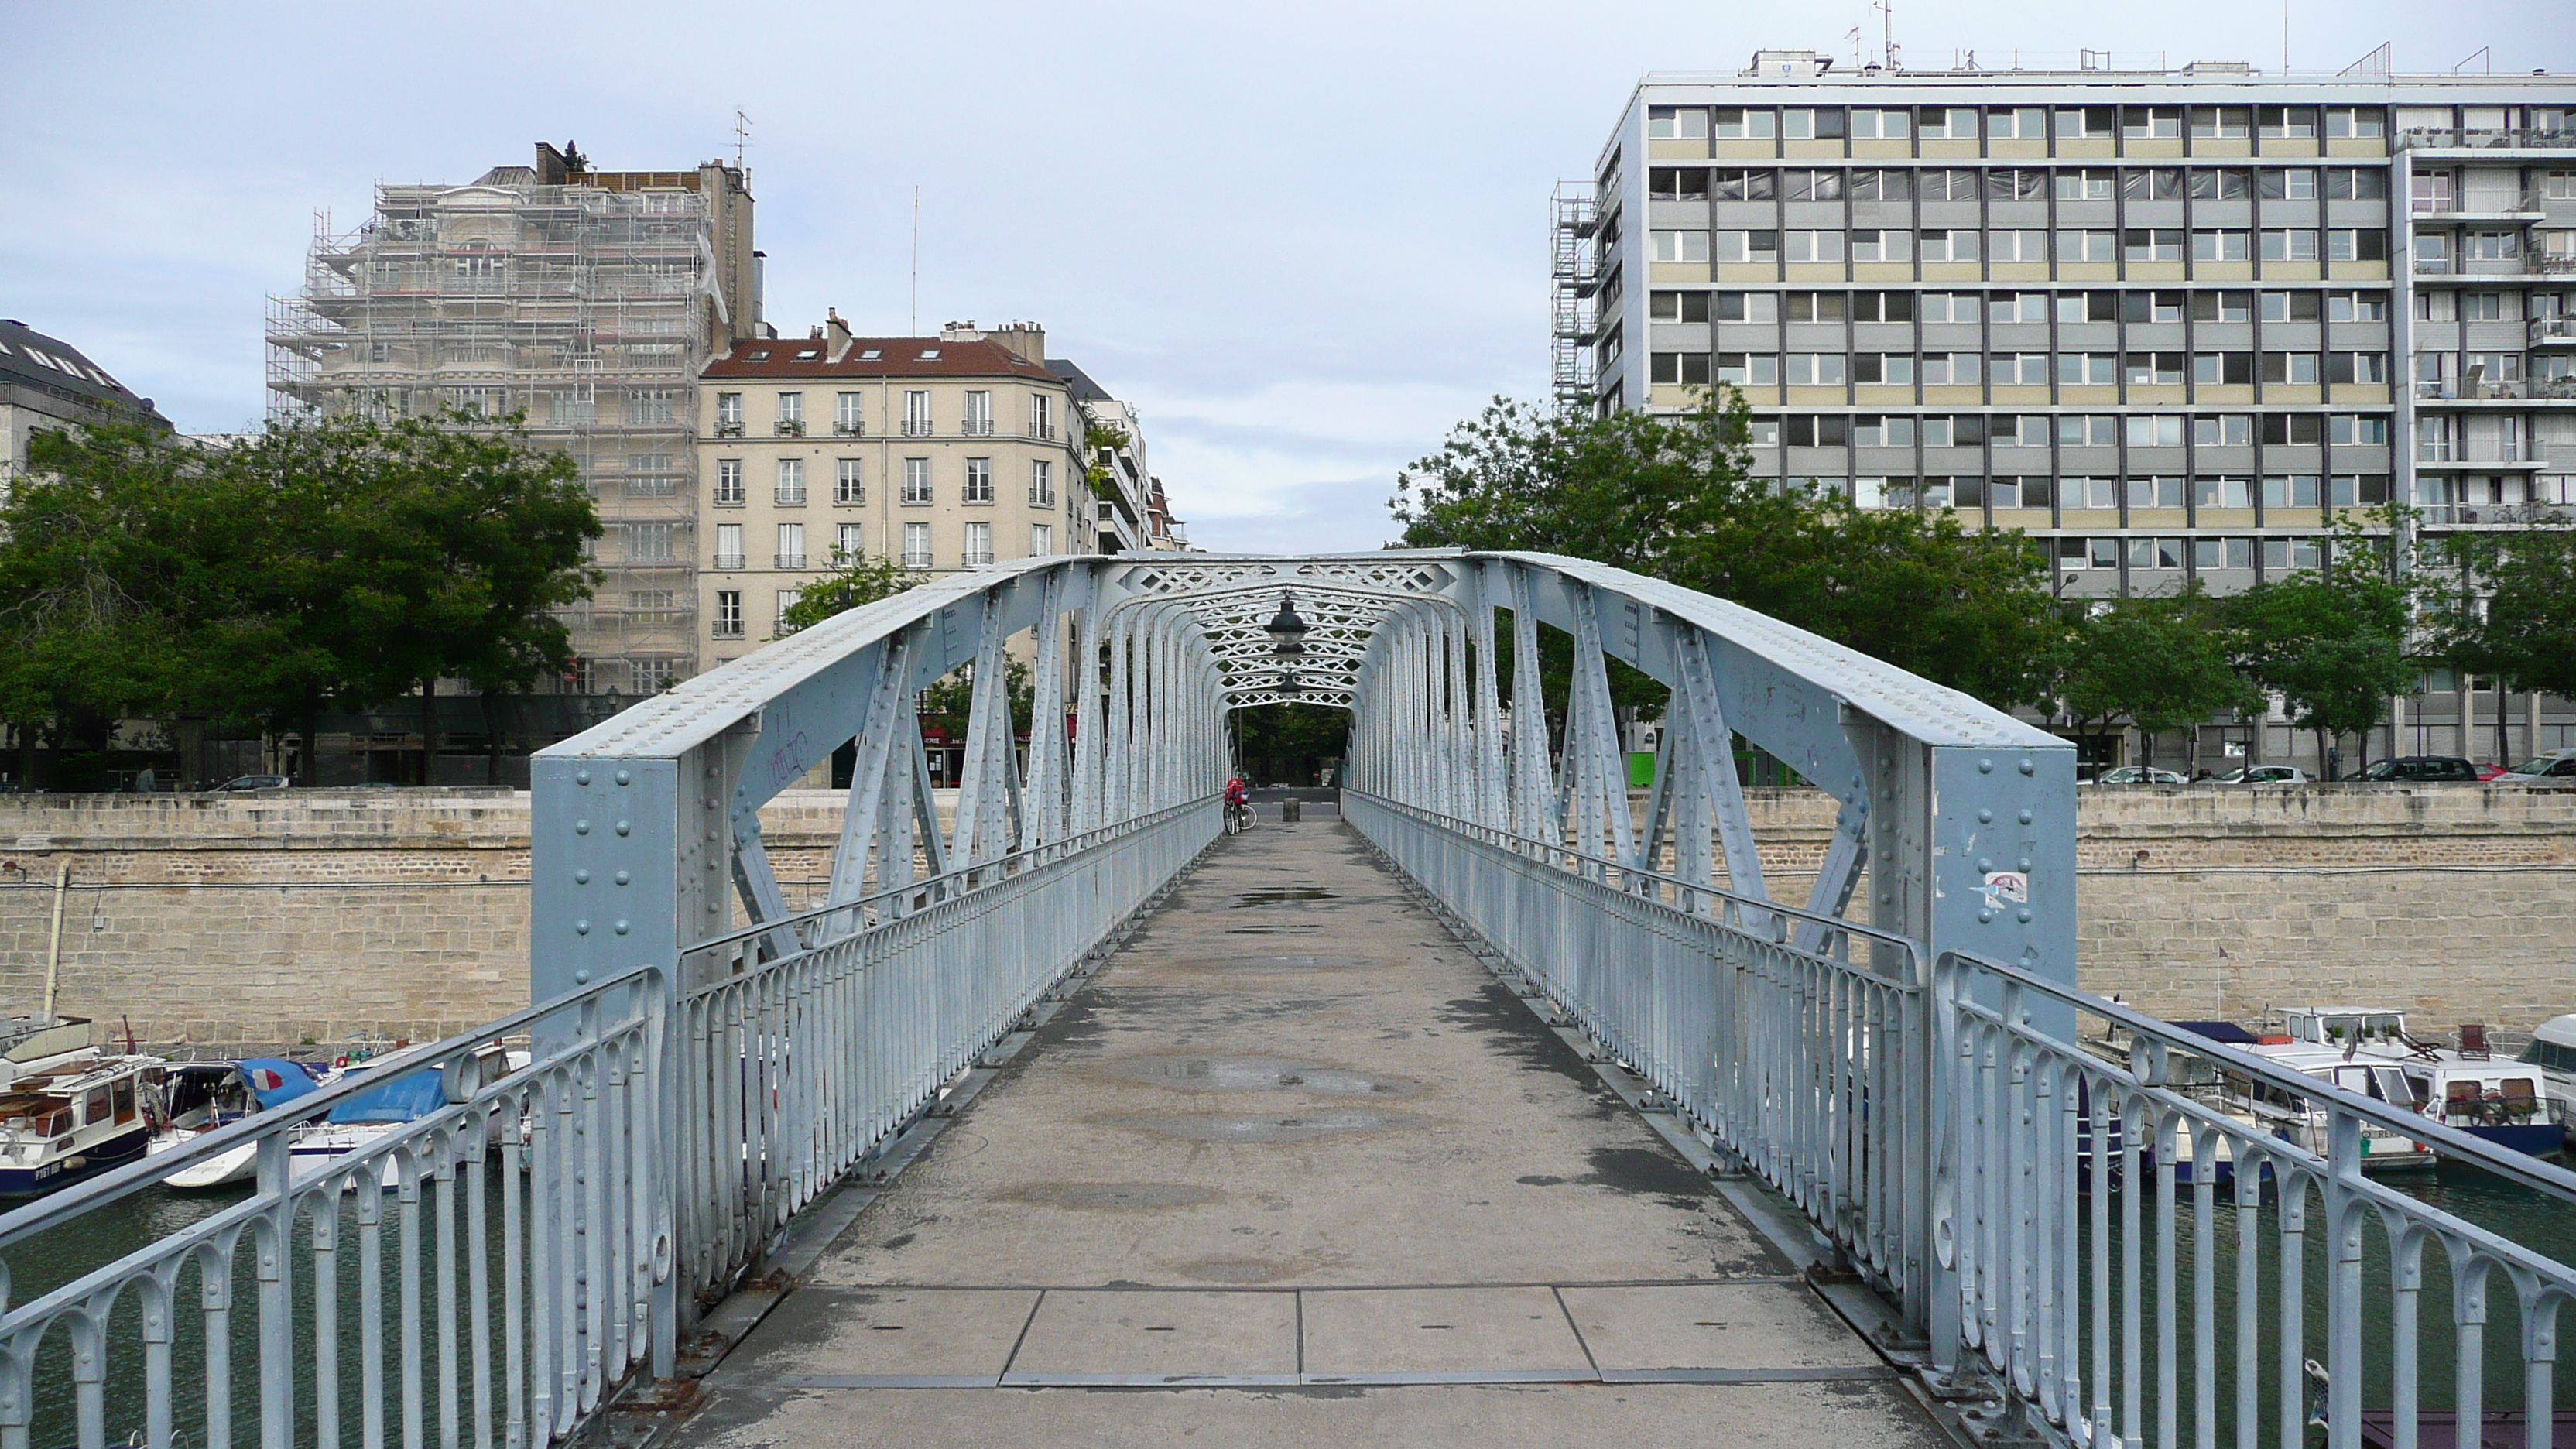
x: 1886, y: 31
x: 916, y: 260
x: 2484, y: 53
x: 741, y: 135
x: 1853, y: 35
x: 2285, y: 37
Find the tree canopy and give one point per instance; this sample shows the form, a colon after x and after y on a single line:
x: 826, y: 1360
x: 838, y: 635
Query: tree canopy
x: 341, y: 560
x: 1672, y: 497
x: 856, y: 579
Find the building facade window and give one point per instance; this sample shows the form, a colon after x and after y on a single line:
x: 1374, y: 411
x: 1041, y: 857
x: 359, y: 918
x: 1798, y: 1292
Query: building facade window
x: 916, y: 480
x: 791, y: 482
x: 728, y: 619
x: 979, y: 544
x: 1042, y: 540
x: 648, y: 542
x: 791, y: 545
x: 728, y: 415
x: 650, y: 676
x: 1041, y: 482
x: 848, y: 484
x: 916, y: 414
x: 979, y: 414
x: 849, y: 414
x: 979, y: 481
x: 916, y: 545
x: 848, y: 543
x: 1041, y: 416
x: 729, y: 546
x: 791, y: 414
x: 728, y: 482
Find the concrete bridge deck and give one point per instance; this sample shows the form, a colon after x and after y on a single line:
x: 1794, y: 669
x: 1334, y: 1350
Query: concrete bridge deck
x: 1296, y: 1169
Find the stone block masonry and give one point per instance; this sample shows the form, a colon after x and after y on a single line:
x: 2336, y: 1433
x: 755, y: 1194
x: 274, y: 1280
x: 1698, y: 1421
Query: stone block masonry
x: 332, y: 915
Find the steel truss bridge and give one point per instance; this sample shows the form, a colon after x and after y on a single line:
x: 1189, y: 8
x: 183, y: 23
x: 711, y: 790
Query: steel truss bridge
x: 1900, y: 1052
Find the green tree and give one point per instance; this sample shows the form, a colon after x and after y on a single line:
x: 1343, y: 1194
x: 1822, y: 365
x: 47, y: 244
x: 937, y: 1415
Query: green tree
x: 2332, y: 641
x: 855, y: 579
x: 2160, y: 663
x: 1283, y: 737
x: 2503, y: 605
x: 1671, y: 496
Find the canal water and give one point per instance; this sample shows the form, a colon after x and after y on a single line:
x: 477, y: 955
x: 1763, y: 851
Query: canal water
x: 36, y: 1267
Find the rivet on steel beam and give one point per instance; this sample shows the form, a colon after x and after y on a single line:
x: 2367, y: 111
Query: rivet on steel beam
x: 581, y: 777
x: 1985, y: 817
x: 1984, y: 864
x: 624, y: 827
x: 621, y: 928
x: 581, y: 877
x: 1983, y: 916
x: 2022, y: 915
x: 581, y: 827
x: 624, y: 778
x: 2025, y: 817
x: 582, y: 976
x: 2025, y: 862
x: 1984, y: 767
x: 581, y: 928
x: 622, y: 877
x: 2029, y: 768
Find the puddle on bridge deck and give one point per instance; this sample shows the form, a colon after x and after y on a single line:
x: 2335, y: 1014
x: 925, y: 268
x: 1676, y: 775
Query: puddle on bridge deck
x: 1259, y: 1074
x: 1292, y: 1127
x: 1283, y: 895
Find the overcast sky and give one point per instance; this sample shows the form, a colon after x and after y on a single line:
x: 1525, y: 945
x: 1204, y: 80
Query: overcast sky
x: 1303, y: 239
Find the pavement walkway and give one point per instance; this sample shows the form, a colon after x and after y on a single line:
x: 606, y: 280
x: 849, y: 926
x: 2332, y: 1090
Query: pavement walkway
x: 1295, y: 1169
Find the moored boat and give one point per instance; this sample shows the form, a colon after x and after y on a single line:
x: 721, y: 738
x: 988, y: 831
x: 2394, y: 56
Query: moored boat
x: 71, y: 1116
x: 199, y: 1097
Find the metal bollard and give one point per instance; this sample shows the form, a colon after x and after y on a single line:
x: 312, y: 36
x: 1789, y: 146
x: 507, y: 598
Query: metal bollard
x: 1288, y: 810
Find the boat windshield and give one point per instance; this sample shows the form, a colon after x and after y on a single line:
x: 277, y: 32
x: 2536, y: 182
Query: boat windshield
x: 2550, y: 1056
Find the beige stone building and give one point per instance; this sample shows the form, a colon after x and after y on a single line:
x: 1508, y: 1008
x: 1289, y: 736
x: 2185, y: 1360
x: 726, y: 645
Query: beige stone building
x: 946, y: 453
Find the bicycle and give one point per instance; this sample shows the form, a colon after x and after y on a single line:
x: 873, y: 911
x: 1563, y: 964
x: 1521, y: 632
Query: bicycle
x: 1240, y: 818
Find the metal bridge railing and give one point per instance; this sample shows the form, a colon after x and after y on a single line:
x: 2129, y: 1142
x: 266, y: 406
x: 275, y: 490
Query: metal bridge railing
x: 485, y: 1271
x: 795, y: 1069
x: 2061, y: 1210
x: 1811, y: 1068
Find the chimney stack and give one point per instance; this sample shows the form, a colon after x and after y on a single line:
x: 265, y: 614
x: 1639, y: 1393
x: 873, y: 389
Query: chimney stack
x: 837, y: 330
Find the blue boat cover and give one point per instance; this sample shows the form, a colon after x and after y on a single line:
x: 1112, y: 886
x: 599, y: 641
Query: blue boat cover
x: 406, y: 1098
x: 2225, y: 1033
x: 274, y: 1080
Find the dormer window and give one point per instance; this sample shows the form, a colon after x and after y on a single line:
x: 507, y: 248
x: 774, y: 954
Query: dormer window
x: 808, y: 354
x: 930, y: 354
x: 872, y: 354
x: 761, y: 355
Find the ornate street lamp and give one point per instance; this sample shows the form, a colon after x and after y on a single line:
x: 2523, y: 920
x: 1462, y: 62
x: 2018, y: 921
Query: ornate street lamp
x: 1287, y: 631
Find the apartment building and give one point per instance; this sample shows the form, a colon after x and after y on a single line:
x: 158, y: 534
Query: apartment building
x: 2172, y: 322
x: 945, y: 452
x: 585, y: 300
x: 46, y: 384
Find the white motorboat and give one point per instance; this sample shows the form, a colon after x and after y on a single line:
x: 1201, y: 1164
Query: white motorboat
x: 198, y: 1097
x: 70, y: 1116
x: 2505, y: 1102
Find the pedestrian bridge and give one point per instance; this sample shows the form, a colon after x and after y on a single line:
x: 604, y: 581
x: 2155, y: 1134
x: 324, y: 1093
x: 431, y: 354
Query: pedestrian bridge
x: 1492, y: 1104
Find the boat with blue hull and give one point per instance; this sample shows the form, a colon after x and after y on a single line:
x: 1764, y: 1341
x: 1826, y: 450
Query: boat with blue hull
x: 66, y: 1118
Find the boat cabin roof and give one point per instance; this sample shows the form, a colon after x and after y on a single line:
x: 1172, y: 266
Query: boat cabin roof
x: 2559, y: 1030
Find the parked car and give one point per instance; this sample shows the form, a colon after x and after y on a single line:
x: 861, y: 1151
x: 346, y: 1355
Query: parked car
x: 2139, y: 775
x: 2556, y: 765
x: 2267, y: 775
x: 241, y: 784
x: 2410, y: 768
x: 2491, y: 772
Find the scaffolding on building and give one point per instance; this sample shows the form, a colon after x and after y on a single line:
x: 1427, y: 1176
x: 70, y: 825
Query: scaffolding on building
x: 588, y: 308
x: 1574, y: 276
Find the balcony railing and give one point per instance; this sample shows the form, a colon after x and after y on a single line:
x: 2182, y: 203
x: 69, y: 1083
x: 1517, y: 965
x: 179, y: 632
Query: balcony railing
x: 914, y: 559
x: 2507, y: 390
x: 2553, y: 331
x: 2497, y: 515
x: 916, y: 427
x: 726, y: 562
x: 731, y: 429
x: 728, y: 629
x: 849, y: 429
x: 789, y: 497
x: 1043, y: 432
x: 791, y: 560
x: 791, y: 427
x: 2453, y: 140
x: 979, y: 427
x: 977, y: 558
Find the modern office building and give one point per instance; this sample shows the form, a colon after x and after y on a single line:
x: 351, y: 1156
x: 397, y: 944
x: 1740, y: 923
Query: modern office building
x: 46, y: 383
x: 2172, y: 322
x: 585, y: 300
x: 944, y: 453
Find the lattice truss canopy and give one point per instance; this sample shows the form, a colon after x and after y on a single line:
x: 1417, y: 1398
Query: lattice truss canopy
x: 1343, y: 602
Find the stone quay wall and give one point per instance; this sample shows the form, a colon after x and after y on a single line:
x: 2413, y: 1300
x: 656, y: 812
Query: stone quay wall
x: 334, y: 916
